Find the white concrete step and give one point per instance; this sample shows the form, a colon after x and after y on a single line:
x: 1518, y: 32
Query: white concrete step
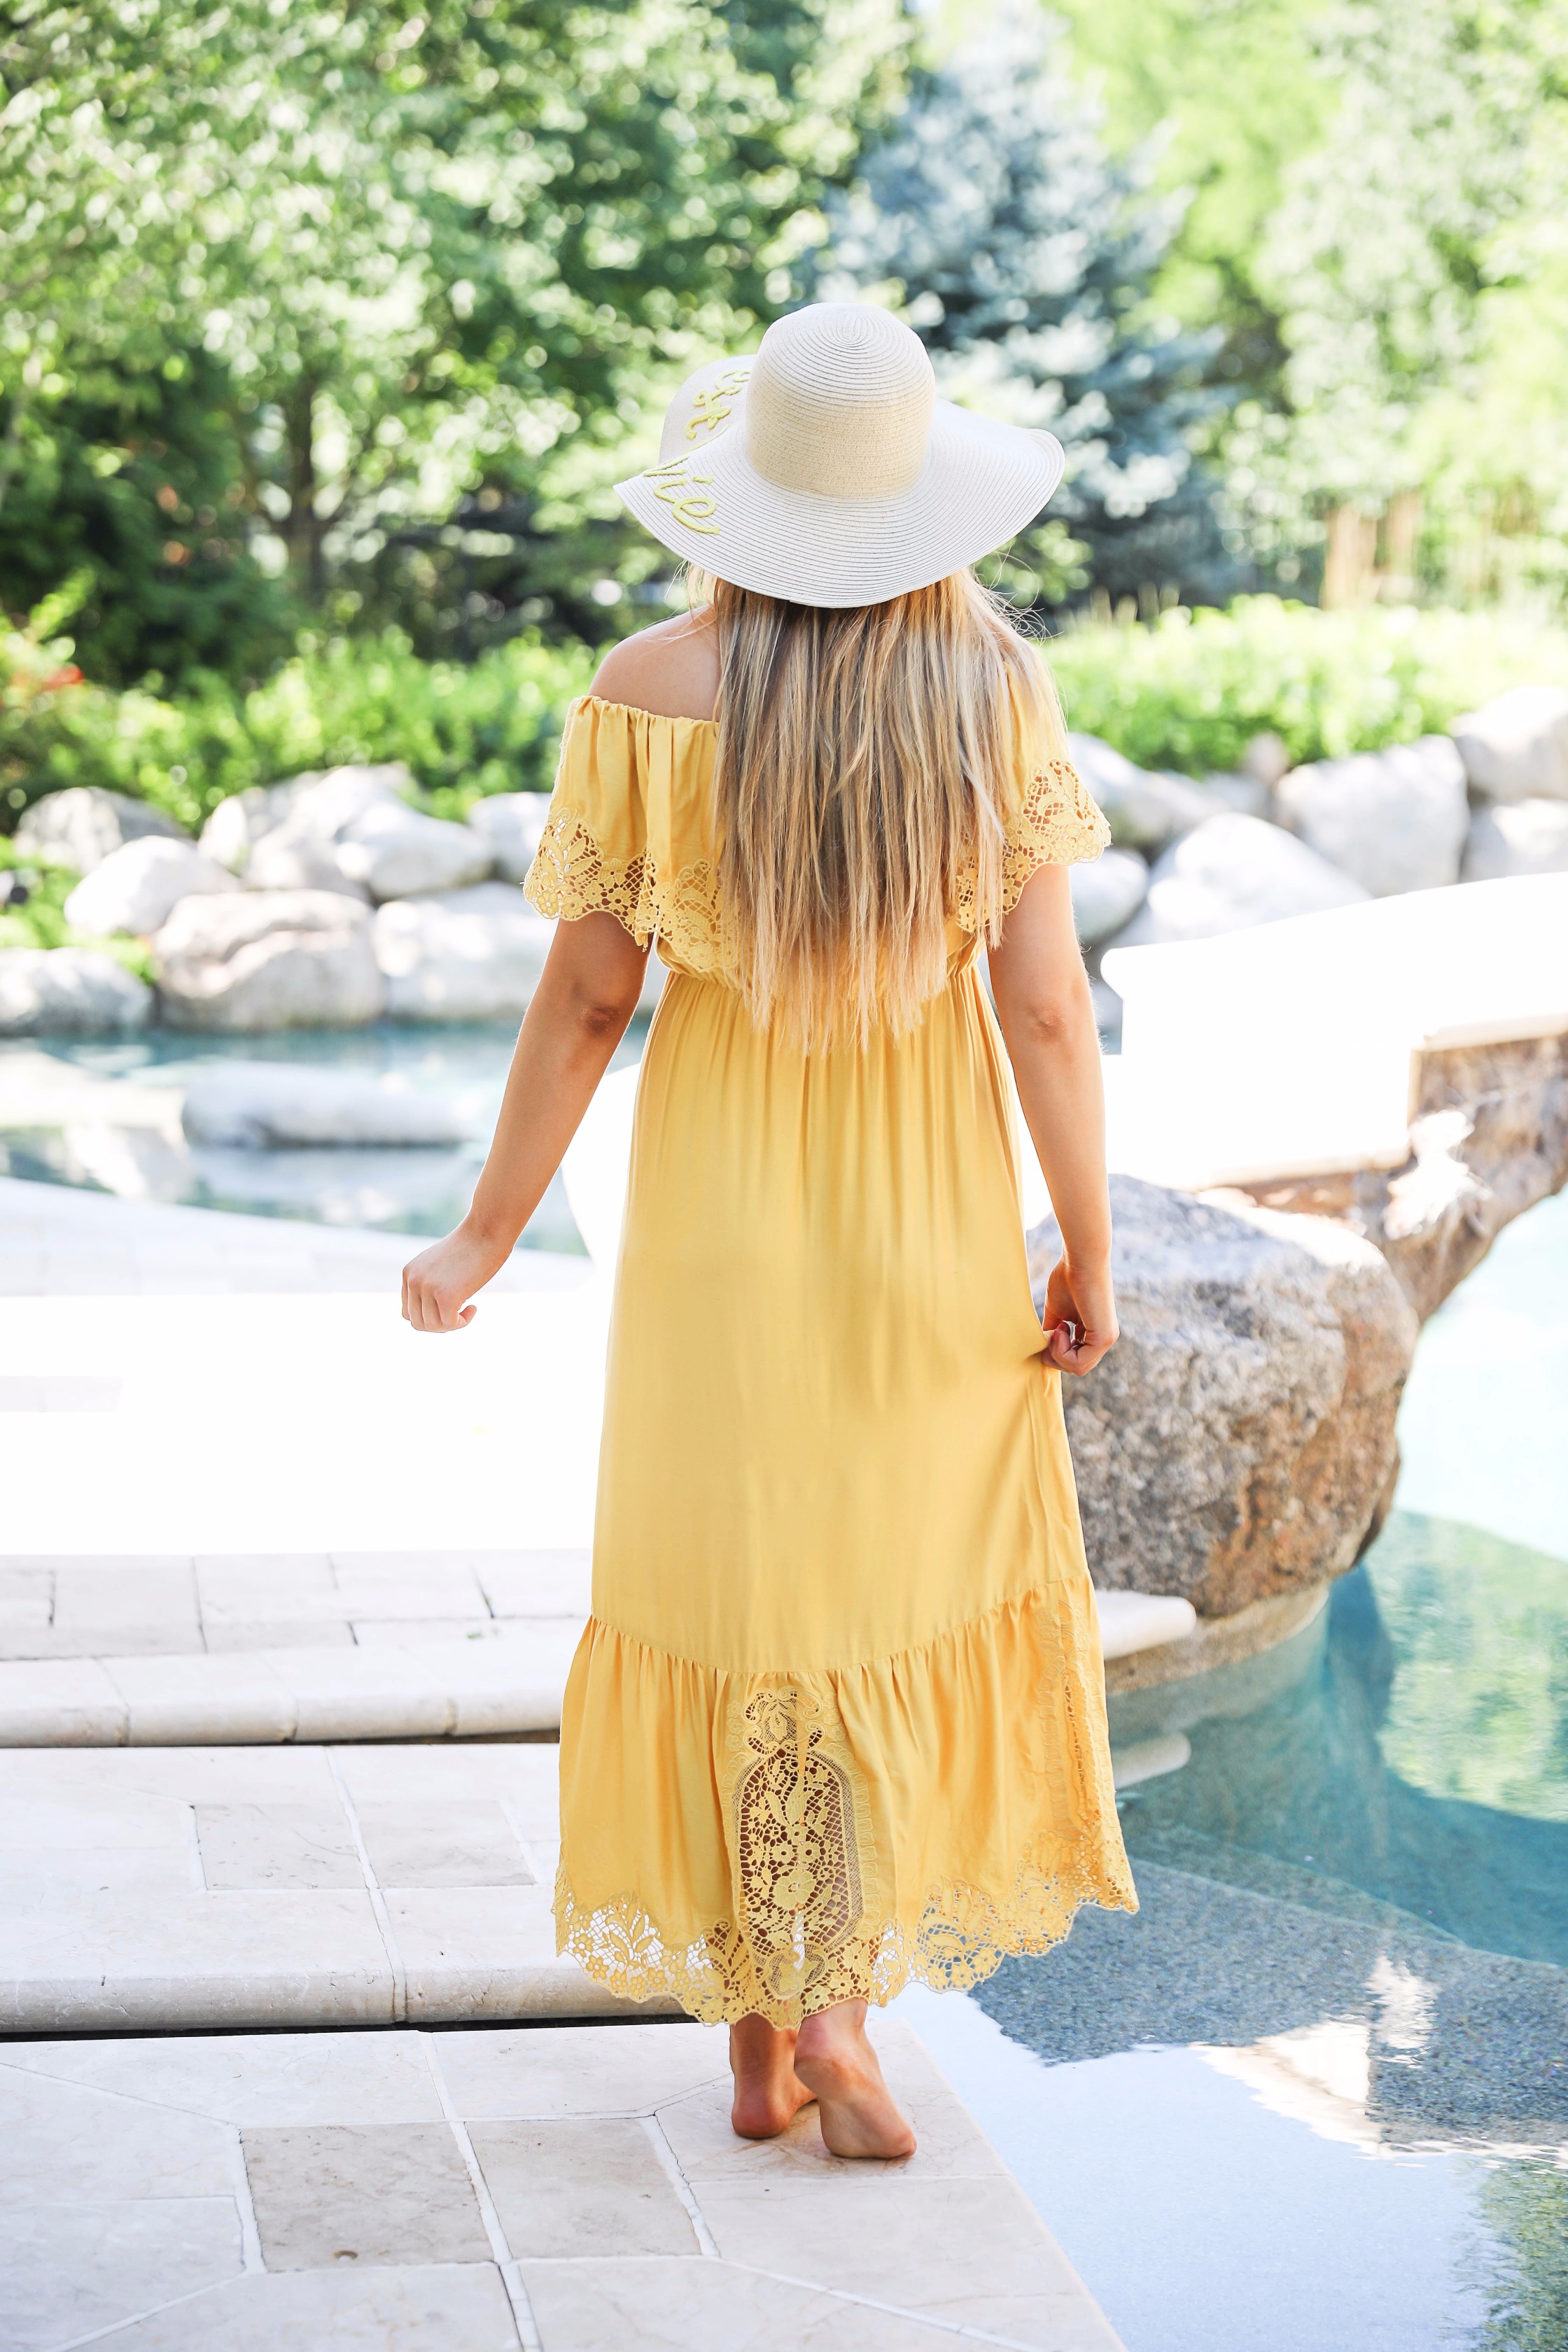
x: 421, y: 1647
x: 164, y: 1889
x: 480, y: 2190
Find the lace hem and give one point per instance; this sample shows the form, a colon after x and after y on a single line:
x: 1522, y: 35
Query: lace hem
x: 847, y: 1828
x: 960, y: 1937
x: 571, y: 876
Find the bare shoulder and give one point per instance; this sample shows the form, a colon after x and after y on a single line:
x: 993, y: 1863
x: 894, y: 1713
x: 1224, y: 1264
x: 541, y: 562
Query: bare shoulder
x: 671, y: 668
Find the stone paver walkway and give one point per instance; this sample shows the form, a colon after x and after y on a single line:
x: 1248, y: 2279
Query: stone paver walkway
x: 166, y: 1889
x: 572, y: 2189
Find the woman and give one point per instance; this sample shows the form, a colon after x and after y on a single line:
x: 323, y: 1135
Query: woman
x: 837, y: 1719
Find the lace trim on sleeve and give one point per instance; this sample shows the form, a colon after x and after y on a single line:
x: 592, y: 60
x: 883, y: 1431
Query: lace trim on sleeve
x: 1058, y: 825
x: 571, y: 876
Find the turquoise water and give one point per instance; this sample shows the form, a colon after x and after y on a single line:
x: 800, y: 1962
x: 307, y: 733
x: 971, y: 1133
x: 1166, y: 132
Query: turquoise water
x: 1314, y: 2097
x: 406, y: 1192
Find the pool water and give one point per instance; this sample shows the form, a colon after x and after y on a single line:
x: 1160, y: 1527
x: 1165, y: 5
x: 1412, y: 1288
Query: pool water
x: 1314, y: 2097
x: 423, y: 1190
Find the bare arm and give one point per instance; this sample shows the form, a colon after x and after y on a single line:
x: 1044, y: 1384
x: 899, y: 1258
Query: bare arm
x: 586, y: 994
x: 1047, y: 1014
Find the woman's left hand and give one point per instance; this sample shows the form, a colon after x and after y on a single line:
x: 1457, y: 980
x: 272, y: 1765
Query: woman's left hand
x: 1080, y: 1317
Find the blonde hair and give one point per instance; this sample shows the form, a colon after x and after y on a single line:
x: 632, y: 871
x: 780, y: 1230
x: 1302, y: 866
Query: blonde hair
x: 866, y: 762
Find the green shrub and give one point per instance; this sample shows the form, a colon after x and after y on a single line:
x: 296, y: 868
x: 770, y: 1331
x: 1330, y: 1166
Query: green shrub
x: 1191, y: 691
x: 38, y: 920
x: 490, y: 726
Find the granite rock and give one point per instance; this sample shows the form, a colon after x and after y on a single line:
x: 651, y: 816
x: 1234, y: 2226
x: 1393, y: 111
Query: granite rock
x: 513, y: 823
x: 82, y: 825
x: 69, y: 993
x: 396, y: 853
x: 1488, y: 1138
x: 1238, y: 1440
x: 1231, y: 872
x: 1107, y: 892
x: 268, y: 960
x: 291, y: 857
x: 238, y: 824
x: 1515, y: 747
x: 461, y: 955
x: 1392, y: 819
x: 1517, y: 838
x: 134, y: 888
x: 330, y: 803
x: 1144, y: 808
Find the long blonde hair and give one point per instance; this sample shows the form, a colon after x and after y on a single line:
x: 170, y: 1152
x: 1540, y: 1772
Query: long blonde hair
x: 865, y: 763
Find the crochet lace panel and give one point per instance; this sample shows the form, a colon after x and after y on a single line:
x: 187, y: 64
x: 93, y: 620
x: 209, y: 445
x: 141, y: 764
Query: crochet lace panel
x: 1058, y: 825
x: 809, y: 1927
x: 570, y: 876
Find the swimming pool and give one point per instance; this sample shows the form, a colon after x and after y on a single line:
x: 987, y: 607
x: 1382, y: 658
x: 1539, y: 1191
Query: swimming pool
x: 1314, y: 2097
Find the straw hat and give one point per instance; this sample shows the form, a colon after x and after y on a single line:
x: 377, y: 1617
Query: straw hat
x: 826, y: 471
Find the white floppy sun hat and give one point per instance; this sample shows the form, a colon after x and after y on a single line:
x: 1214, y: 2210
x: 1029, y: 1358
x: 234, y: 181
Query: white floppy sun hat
x: 826, y: 471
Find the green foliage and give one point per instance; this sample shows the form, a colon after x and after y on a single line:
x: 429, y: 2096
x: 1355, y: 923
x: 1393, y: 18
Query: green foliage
x: 1191, y: 691
x: 1025, y: 255
x: 1525, y: 2206
x: 134, y: 485
x: 35, y: 916
x: 463, y: 730
x: 406, y: 262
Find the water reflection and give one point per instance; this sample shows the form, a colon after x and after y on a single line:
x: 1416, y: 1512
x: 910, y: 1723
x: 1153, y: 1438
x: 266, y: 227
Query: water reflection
x: 1354, y: 1756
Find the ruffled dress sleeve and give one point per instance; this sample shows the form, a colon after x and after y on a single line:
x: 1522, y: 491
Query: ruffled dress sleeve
x: 1051, y: 818
x: 1057, y: 822
x: 628, y: 830
x: 593, y: 854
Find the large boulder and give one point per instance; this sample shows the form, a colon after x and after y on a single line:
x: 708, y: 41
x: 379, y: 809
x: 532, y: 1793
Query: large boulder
x: 1391, y: 820
x: 268, y: 960
x: 1239, y: 1441
x: 321, y: 805
x: 1515, y: 747
x: 513, y: 823
x: 238, y: 824
x: 292, y: 857
x: 269, y: 1104
x: 133, y: 888
x: 69, y: 993
x: 461, y: 955
x: 1107, y: 892
x: 1232, y: 872
x: 396, y: 853
x: 82, y: 825
x: 1517, y: 838
x: 329, y: 804
x: 1144, y: 808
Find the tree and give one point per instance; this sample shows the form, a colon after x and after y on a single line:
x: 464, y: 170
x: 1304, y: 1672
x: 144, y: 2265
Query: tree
x: 1441, y: 160
x: 1023, y: 255
x: 427, y: 254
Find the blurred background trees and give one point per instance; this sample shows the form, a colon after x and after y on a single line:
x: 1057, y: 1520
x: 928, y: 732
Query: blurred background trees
x: 323, y: 318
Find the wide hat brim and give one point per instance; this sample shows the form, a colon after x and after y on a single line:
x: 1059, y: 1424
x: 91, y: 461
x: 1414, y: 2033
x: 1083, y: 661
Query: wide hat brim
x: 982, y: 483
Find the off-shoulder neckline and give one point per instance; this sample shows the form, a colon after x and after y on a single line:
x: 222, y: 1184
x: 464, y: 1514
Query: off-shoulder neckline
x: 635, y: 710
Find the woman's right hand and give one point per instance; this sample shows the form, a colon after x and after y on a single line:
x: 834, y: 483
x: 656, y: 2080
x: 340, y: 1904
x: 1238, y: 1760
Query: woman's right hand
x: 1079, y: 1317
x: 438, y: 1285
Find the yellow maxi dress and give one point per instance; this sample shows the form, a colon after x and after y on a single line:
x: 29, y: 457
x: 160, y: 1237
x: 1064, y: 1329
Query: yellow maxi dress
x: 837, y: 1719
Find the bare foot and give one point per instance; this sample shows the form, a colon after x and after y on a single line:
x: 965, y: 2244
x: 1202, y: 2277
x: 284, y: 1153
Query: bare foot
x: 834, y: 2058
x: 768, y: 2092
